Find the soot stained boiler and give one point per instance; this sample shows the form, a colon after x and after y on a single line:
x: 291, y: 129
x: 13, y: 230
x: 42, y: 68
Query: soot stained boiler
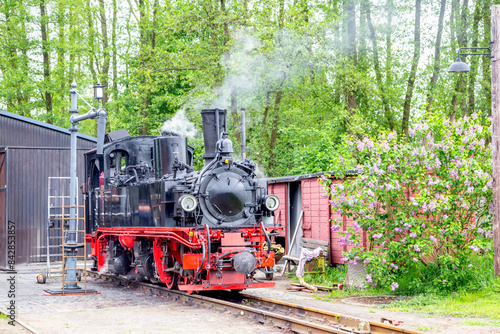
x: 150, y: 215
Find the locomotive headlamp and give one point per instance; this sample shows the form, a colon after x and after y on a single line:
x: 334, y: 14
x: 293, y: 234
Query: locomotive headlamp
x: 188, y: 203
x: 272, y: 202
x: 98, y: 92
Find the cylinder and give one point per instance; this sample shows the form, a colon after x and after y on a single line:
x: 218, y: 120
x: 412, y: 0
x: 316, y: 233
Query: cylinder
x: 214, y: 123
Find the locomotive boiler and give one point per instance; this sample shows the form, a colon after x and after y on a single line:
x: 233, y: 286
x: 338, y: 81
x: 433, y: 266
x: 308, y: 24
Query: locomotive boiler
x: 151, y: 216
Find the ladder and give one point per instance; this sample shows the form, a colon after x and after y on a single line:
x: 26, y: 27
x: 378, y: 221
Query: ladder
x: 58, y: 197
x: 79, y: 243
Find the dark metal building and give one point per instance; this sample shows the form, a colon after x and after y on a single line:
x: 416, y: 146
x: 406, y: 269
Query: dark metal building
x: 30, y: 153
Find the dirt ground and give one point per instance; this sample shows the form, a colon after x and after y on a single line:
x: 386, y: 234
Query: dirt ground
x: 122, y: 310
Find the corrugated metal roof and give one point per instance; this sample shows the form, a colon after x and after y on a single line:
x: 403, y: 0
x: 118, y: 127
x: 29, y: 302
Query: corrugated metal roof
x: 294, y: 178
x: 44, y: 125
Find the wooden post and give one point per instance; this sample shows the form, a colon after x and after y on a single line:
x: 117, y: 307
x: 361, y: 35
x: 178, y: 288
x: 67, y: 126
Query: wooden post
x: 495, y: 137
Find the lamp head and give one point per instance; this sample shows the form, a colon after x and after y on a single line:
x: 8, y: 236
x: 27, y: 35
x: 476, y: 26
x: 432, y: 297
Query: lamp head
x: 458, y: 66
x: 98, y: 91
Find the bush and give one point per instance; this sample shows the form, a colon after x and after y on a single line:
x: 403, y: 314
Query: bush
x: 424, y: 202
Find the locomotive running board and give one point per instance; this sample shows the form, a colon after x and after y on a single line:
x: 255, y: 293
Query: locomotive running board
x: 200, y: 287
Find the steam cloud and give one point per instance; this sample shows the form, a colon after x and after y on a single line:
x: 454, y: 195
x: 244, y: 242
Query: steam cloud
x: 180, y: 125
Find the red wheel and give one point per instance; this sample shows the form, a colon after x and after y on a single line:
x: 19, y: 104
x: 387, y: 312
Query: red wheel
x: 172, y: 281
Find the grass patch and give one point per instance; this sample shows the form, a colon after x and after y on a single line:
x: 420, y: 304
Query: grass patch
x: 493, y: 323
x: 332, y: 276
x: 484, y: 304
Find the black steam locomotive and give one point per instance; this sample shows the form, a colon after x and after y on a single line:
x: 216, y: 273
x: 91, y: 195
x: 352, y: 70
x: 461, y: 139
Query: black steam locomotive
x: 149, y: 214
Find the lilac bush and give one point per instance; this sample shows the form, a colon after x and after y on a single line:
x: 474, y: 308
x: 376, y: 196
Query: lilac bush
x: 423, y: 201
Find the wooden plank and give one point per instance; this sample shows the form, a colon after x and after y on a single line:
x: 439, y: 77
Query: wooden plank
x: 316, y: 242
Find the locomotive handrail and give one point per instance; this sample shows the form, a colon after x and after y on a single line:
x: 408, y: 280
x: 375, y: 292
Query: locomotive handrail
x: 203, y: 257
x: 165, y: 234
x: 267, y: 237
x: 233, y: 252
x: 208, y: 242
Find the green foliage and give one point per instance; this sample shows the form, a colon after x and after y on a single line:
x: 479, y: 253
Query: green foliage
x: 333, y: 275
x: 424, y: 204
x: 285, y: 62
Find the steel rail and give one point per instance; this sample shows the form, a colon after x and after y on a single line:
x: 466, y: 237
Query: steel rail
x: 296, y: 318
x: 19, y: 322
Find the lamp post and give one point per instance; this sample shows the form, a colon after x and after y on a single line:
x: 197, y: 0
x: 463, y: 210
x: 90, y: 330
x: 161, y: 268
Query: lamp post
x: 459, y: 66
x: 75, y: 119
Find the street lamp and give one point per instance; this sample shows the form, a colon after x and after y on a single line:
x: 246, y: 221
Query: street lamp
x: 98, y: 91
x: 460, y: 67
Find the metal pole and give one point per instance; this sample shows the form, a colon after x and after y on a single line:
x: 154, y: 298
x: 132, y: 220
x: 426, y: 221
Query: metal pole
x: 243, y: 134
x: 495, y: 140
x: 71, y: 261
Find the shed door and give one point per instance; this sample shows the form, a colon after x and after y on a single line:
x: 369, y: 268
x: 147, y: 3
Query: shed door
x: 3, y: 213
x: 294, y: 215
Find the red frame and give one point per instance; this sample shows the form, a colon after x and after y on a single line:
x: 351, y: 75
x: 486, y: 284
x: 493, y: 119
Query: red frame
x: 172, y: 238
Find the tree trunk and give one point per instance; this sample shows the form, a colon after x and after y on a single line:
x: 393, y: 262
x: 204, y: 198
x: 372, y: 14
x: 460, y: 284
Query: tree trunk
x: 413, y: 71
x: 437, y: 56
x: 351, y: 53
x: 144, y: 60
x: 388, y: 42
x: 91, y: 37
x: 486, y: 63
x: 458, y: 97
x: 474, y: 60
x: 378, y: 72
x: 275, y: 124
x: 114, y: 52
x: 46, y: 62
x: 105, y: 52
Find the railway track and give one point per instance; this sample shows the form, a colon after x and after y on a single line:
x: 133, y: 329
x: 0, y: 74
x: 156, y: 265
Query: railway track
x: 283, y: 315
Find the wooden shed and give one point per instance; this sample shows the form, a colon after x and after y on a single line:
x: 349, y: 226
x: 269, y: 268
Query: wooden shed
x: 302, y: 197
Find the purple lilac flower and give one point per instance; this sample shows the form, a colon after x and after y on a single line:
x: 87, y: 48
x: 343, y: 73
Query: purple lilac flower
x: 344, y: 259
x: 397, y: 229
x: 361, y: 145
x: 433, y: 238
x: 445, y: 217
x: 335, y: 228
x: 416, y: 248
x: 394, y: 266
x: 394, y: 286
x: 377, y: 236
x: 413, y: 235
x: 470, y: 265
x: 415, y: 259
x: 366, y: 261
x: 369, y: 278
x: 403, y: 240
x: 383, y: 261
x: 444, y: 281
x: 411, y: 132
x: 474, y: 248
x: 353, y: 262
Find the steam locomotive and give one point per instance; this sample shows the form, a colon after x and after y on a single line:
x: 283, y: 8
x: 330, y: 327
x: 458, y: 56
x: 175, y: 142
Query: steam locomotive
x: 150, y: 215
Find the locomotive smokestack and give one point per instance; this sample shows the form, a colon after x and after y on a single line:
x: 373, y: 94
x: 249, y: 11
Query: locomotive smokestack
x: 214, y: 124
